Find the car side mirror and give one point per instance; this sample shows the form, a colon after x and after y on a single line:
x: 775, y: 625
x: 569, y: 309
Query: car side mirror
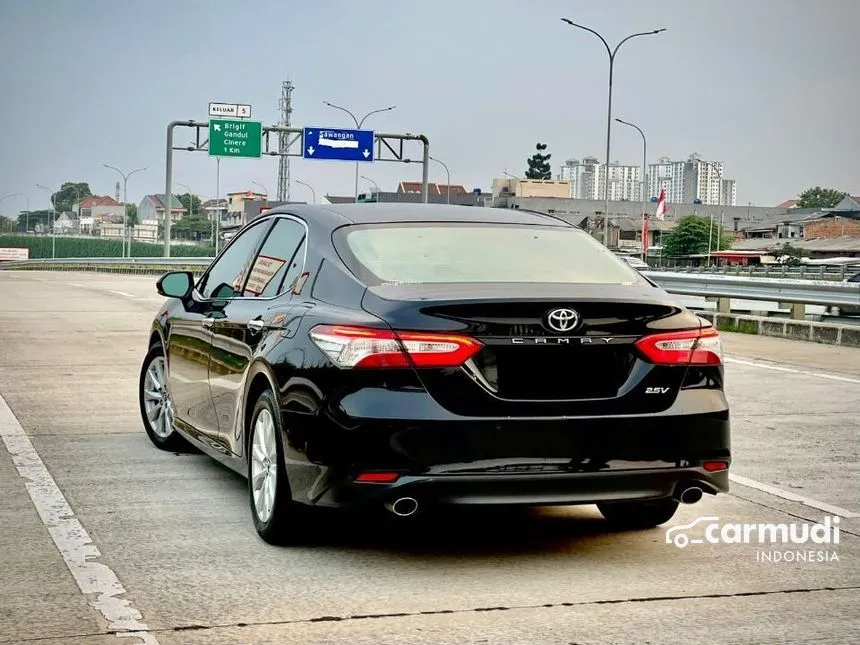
x: 176, y: 284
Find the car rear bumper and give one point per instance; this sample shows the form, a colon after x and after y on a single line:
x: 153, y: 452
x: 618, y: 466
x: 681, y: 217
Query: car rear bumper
x: 528, y: 489
x: 450, y: 459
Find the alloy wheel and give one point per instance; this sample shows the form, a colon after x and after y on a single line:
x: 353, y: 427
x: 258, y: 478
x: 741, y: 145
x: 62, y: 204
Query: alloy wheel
x: 264, y: 465
x: 156, y: 398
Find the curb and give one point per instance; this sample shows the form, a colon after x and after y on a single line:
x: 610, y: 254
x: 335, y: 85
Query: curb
x: 816, y: 332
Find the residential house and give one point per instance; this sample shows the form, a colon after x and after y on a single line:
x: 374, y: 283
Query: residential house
x: 409, y: 192
x: 66, y: 224
x: 211, y: 207
x: 96, y: 210
x: 809, y: 223
x: 152, y: 208
x: 251, y: 210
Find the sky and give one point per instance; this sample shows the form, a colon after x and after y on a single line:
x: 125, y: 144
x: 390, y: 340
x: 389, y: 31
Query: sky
x: 769, y: 87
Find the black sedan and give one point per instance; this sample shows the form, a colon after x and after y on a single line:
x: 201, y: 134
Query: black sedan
x: 404, y: 357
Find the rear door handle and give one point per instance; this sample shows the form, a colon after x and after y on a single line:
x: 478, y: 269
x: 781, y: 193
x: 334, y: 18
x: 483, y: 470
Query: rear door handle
x: 257, y: 324
x: 208, y: 322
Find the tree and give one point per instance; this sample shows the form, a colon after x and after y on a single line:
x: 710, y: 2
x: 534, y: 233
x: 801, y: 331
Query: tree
x: 819, y: 197
x: 539, y: 167
x: 691, y: 237
x: 69, y: 194
x: 791, y: 255
x: 131, y: 210
x: 191, y: 226
x: 7, y: 225
x: 191, y: 203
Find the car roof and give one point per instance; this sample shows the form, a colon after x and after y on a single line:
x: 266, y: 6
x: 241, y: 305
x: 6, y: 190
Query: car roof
x: 335, y: 215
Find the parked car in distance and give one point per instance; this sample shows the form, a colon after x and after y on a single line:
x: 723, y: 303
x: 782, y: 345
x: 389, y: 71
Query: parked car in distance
x: 405, y: 357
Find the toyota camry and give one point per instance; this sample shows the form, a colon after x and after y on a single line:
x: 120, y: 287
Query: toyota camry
x: 405, y: 357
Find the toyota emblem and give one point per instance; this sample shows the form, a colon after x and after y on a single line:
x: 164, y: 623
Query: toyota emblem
x: 562, y: 320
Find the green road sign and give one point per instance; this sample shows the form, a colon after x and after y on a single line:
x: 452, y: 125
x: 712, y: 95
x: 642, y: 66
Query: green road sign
x: 235, y: 138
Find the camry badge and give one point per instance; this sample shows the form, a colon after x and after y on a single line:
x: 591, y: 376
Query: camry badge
x: 562, y: 320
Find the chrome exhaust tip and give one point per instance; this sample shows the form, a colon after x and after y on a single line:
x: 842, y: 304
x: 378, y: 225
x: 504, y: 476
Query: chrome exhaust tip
x: 403, y: 507
x: 690, y: 495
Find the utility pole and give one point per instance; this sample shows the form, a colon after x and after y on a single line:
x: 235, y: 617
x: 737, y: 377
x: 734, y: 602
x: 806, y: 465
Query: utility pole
x: 286, y: 107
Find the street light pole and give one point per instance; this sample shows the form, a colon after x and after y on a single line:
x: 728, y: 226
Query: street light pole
x: 265, y: 191
x: 126, y: 243
x: 644, y: 172
x: 612, y: 53
x: 313, y: 192
x: 358, y: 125
x: 711, y: 219
x: 53, y: 219
x: 375, y: 185
x: 448, y: 175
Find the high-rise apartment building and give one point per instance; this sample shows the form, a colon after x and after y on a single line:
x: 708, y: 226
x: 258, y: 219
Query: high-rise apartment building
x: 691, y: 180
x: 587, y: 179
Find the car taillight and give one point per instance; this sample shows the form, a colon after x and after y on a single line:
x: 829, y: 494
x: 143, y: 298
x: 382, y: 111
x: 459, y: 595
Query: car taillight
x: 364, y: 347
x: 693, y: 347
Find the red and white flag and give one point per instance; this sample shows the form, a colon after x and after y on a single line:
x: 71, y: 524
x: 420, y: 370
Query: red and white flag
x: 662, y: 206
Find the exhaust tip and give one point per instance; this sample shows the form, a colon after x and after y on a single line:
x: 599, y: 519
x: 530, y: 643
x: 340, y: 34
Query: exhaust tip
x: 690, y: 495
x: 403, y: 507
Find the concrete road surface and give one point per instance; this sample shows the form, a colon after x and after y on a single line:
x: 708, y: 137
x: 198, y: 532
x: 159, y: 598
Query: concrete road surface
x: 102, y: 533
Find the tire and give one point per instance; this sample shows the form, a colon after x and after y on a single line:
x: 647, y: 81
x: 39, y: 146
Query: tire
x: 278, y: 519
x: 639, y: 515
x: 156, y: 405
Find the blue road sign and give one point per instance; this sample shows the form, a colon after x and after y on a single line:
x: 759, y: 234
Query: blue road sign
x: 338, y: 144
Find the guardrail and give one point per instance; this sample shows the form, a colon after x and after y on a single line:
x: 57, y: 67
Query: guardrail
x: 803, y: 272
x: 200, y: 261
x: 809, y: 292
x: 138, y: 266
x: 806, y: 291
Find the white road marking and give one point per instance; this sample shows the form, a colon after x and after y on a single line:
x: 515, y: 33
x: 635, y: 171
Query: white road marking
x: 122, y: 293
x: 793, y: 370
x: 793, y: 497
x: 97, y: 582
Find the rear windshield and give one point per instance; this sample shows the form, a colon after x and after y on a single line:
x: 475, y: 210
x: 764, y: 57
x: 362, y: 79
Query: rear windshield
x: 466, y: 252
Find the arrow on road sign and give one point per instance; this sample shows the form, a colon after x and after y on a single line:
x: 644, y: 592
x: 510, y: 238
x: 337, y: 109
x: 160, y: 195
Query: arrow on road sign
x: 366, y: 153
x: 311, y: 150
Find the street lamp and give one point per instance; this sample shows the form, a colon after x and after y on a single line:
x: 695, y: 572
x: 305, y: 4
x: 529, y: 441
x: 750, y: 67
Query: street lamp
x: 448, y: 174
x: 313, y: 192
x: 375, y: 186
x: 711, y: 218
x: 126, y: 243
x: 611, y: 53
x: 265, y: 190
x: 190, y: 197
x: 358, y: 125
x: 644, y: 172
x: 53, y: 219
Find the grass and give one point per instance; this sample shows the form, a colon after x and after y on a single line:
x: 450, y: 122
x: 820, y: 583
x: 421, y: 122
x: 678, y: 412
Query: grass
x: 81, y: 247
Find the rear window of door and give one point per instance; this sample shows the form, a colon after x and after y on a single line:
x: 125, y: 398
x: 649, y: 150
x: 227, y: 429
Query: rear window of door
x: 278, y: 258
